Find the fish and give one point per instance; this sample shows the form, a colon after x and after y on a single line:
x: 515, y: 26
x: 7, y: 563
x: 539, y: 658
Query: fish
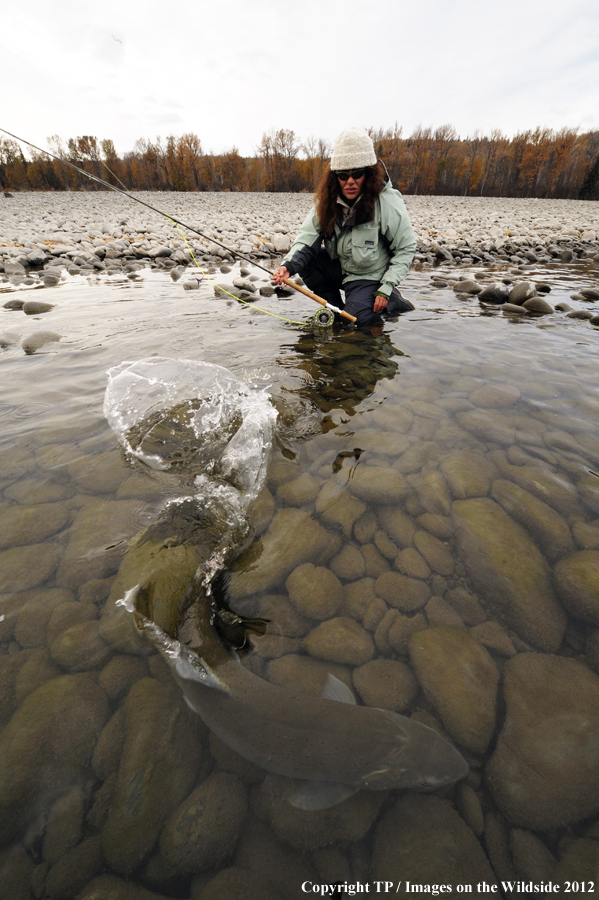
x: 334, y: 746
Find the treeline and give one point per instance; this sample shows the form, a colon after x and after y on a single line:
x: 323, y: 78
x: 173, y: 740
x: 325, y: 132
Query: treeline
x: 535, y: 163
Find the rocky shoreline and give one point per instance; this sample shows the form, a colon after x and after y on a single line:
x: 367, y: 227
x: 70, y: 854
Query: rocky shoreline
x: 41, y: 234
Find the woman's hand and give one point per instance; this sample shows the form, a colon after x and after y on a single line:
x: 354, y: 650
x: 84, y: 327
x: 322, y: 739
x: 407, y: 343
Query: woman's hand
x: 379, y: 303
x: 281, y: 273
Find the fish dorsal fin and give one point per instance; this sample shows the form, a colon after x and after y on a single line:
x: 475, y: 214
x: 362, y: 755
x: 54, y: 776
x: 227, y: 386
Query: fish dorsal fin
x: 314, y: 795
x: 334, y: 689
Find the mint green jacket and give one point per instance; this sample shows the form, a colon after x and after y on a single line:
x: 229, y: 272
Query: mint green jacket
x: 381, y: 250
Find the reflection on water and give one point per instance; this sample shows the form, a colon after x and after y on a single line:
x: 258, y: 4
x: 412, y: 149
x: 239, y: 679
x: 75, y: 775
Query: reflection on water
x: 429, y: 535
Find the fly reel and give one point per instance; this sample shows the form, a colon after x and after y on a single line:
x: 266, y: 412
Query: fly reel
x: 324, y: 318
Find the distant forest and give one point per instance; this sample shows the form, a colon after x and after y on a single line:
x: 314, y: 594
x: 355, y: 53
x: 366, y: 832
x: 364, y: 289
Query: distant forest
x: 540, y: 163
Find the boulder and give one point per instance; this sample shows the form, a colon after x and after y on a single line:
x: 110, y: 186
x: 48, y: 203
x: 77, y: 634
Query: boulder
x: 550, y: 531
x: 543, y: 774
x: 577, y: 582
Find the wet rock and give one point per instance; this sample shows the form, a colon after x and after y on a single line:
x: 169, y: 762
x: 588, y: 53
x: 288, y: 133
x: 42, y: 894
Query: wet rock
x: 75, y: 869
x: 493, y: 636
x: 459, y: 677
x: 335, y: 506
x: 46, y: 745
x: 16, y: 872
x: 260, y: 852
x: 401, y: 592
x: 96, y: 540
x: 439, y: 612
x: 36, y: 613
x: 537, y: 305
x: 521, y: 292
x: 81, y: 648
x: 433, y: 493
x: 303, y: 489
x: 468, y: 474
x: 507, y: 568
x: 64, y: 615
x: 101, y: 473
x: 488, y: 425
x: 34, y: 342
x: 542, y: 774
x: 36, y: 307
x: 305, y: 674
x: 385, y: 684
x: 27, y: 567
x: 398, y: 526
x: 436, y: 554
x: 423, y: 840
x: 553, y: 489
x: 315, y: 591
x: 495, y: 293
x: 340, y: 640
x: 468, y: 286
x: 411, y: 563
x: 441, y: 527
x: 510, y: 309
x: 588, y: 486
x: 402, y: 630
x: 109, y: 887
x: 349, y: 564
x: 577, y: 582
x: 579, y: 863
x: 544, y: 524
x: 310, y: 830
x: 64, y: 826
x: 21, y: 525
x: 237, y: 883
x: 292, y: 538
x: 586, y: 535
x: 469, y: 808
x: 109, y: 747
x: 162, y: 752
x: 36, y: 671
x: 531, y: 857
x: 203, y: 831
x: 378, y: 484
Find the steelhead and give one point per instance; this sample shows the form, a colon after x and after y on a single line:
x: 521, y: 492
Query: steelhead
x: 333, y: 745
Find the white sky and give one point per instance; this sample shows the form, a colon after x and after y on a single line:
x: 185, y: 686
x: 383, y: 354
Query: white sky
x: 229, y: 70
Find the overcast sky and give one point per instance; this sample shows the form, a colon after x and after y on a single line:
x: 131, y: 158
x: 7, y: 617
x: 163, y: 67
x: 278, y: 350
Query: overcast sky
x: 229, y: 70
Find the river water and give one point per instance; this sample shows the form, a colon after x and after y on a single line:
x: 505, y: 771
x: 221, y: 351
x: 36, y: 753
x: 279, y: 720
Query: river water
x: 433, y: 491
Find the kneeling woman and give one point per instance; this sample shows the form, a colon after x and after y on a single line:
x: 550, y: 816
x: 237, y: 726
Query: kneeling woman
x: 368, y: 238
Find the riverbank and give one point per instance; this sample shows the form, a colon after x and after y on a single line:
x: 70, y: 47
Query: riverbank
x: 86, y: 232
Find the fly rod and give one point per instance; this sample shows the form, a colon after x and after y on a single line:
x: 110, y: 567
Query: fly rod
x: 112, y: 187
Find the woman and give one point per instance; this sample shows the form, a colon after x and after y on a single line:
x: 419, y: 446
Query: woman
x: 368, y: 238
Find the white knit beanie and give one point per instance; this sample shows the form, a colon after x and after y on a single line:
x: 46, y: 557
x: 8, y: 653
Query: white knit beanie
x: 353, y: 149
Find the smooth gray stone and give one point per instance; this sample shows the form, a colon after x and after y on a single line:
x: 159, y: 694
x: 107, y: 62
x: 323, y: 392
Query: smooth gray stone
x: 39, y: 339
x: 13, y: 304
x: 33, y: 307
x: 580, y: 314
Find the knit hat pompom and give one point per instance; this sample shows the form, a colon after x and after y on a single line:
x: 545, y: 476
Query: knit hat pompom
x: 353, y: 149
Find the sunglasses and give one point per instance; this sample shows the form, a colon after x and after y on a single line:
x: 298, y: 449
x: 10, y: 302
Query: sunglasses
x: 351, y: 173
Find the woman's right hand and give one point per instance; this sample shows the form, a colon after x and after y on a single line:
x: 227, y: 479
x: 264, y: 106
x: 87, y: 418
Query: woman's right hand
x: 281, y: 273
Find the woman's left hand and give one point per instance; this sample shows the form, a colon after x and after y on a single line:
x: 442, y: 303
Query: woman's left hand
x: 379, y: 303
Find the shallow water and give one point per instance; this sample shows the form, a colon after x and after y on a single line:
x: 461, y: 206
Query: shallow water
x: 452, y: 402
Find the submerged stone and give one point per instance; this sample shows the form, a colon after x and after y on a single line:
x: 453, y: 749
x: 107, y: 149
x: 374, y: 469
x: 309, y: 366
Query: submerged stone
x: 577, y: 581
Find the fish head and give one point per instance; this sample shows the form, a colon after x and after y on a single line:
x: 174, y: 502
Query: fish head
x: 420, y: 760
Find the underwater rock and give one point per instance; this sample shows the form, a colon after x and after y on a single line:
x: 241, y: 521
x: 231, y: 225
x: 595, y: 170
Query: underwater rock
x: 310, y: 830
x: 305, y: 674
x: 466, y: 605
x: 46, y: 745
x: 459, y: 677
x: 488, y: 425
x: 433, y: 493
x: 237, y: 883
x: 546, y: 526
x: 37, y: 669
x: 506, y: 567
x: 260, y: 852
x: 36, y: 613
x: 315, y: 591
x: 423, y: 840
x: 109, y: 887
x: 335, y: 506
x: 75, y: 869
x: 303, y: 489
x: 402, y: 630
x: 65, y: 615
x: 401, y: 592
x: 386, y: 684
x: 81, y: 648
x: 577, y: 582
x: 468, y: 474
x: 100, y: 473
x: 120, y: 673
x: 109, y: 746
x: 22, y: 525
x: 578, y: 863
x: 493, y: 636
x: 531, y: 857
x: 227, y: 760
x: 162, y: 752
x: 411, y: 563
x: 203, y: 831
x: 551, y: 488
x: 434, y: 552
x: 292, y: 538
x: 378, y: 484
x: 27, y: 567
x: 16, y: 871
x: 543, y: 772
x: 439, y: 612
x: 340, y: 640
x: 469, y: 807
x: 398, y: 526
x: 349, y: 563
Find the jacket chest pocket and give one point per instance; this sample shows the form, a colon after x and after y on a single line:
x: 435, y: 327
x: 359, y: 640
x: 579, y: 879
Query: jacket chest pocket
x: 365, y: 244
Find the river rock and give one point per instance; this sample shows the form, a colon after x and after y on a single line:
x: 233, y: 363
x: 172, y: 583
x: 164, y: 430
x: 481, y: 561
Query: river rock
x: 109, y: 887
x: 349, y: 564
x: 531, y: 857
x: 378, y: 484
x: 312, y: 829
x: 162, y: 752
x: 37, y: 669
x: 577, y: 581
x: 301, y: 490
x: 588, y: 486
x: 36, y: 307
x: 467, y: 286
x: 402, y: 630
x: 385, y: 684
x: 22, y: 525
x: 578, y: 863
x: 439, y: 612
x: 401, y: 592
x: 551, y: 488
x: 203, y: 831
x: 305, y: 674
x: 435, y: 552
x: 423, y: 840
x: 495, y: 293
x: 508, y: 569
x: 459, y: 677
x: 315, y: 591
x: 468, y: 474
x: 292, y: 538
x: 23, y: 568
x: 544, y: 524
x: 433, y: 493
x: 340, y: 640
x: 521, y: 292
x: 398, y: 526
x: 101, y: 473
x: 285, y: 869
x: 335, y: 506
x: 39, y: 339
x: 75, y: 869
x: 45, y: 747
x: 64, y: 615
x: 411, y: 563
x: 543, y: 773
x: 81, y: 648
x: 488, y: 425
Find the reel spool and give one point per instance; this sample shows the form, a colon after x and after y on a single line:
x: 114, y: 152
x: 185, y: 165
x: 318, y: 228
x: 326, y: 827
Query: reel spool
x: 324, y: 318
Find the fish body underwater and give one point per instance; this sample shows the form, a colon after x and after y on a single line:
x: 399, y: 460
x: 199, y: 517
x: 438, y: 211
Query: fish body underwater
x: 333, y: 745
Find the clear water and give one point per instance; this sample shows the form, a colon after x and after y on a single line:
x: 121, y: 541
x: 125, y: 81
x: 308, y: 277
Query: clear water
x: 334, y: 391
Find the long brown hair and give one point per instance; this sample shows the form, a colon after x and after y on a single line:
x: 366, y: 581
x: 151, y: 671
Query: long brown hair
x: 327, y: 192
